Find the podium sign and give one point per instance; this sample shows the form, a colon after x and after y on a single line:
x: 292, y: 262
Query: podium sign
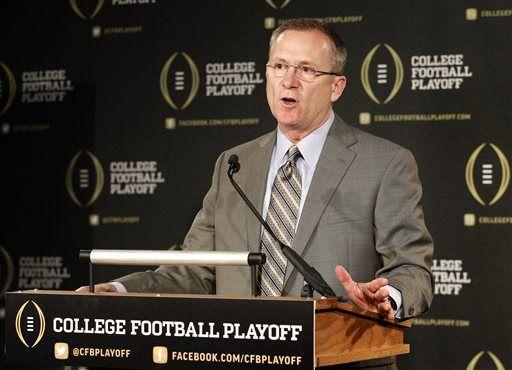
x: 148, y: 331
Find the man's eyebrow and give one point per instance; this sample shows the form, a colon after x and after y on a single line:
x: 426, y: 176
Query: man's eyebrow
x: 279, y: 60
x: 305, y: 63
x: 301, y: 63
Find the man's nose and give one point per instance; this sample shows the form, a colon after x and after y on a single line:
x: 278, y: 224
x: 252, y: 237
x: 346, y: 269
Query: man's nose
x: 290, y: 78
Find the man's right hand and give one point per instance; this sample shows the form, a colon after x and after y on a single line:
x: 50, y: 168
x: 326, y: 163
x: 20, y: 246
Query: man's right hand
x: 99, y: 288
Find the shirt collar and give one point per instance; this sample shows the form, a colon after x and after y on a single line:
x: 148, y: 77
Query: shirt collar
x: 310, y: 147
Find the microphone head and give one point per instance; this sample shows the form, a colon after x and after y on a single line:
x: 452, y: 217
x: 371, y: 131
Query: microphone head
x: 233, y: 163
x: 233, y: 159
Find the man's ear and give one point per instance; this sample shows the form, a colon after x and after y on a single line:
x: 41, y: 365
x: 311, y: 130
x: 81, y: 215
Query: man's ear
x: 338, y: 85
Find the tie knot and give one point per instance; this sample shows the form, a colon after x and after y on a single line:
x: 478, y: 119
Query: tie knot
x: 293, y: 154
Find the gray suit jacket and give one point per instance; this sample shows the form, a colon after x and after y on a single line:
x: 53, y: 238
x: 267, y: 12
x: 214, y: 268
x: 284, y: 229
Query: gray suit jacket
x: 363, y: 211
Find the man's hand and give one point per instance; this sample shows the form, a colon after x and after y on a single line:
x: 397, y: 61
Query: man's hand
x: 98, y: 288
x: 368, y: 296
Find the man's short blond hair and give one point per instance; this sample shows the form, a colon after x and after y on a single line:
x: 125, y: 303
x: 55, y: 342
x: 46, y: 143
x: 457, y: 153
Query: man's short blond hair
x: 339, y: 50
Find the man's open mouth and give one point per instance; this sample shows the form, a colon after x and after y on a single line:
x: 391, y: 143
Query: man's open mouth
x: 289, y: 100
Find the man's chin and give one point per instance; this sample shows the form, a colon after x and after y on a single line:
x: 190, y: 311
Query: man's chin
x: 287, y: 120
x: 287, y: 125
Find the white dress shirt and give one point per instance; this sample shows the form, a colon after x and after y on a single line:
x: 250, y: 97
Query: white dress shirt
x: 310, y: 148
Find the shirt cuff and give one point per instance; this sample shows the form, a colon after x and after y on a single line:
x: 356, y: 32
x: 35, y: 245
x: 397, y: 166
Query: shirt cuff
x: 396, y: 295
x: 120, y: 287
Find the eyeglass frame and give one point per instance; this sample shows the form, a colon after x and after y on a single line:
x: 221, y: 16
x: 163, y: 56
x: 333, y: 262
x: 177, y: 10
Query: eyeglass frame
x: 317, y: 73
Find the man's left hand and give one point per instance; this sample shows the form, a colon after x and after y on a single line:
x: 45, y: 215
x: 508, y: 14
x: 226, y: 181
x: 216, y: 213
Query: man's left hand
x: 368, y: 296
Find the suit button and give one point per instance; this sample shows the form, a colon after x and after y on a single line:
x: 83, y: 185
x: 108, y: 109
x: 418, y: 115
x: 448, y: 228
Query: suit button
x: 411, y: 310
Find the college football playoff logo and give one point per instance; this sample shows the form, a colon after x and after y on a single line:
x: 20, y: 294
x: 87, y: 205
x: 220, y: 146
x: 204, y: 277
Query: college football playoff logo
x: 30, y: 324
x: 84, y: 178
x: 6, y: 271
x: 273, y: 4
x: 87, y: 7
x: 380, y: 82
x: 478, y: 356
x: 487, y: 174
x: 7, y: 88
x: 179, y: 80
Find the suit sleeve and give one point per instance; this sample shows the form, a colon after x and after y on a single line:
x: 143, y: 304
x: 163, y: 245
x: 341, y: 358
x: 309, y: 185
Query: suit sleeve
x: 181, y: 279
x: 401, y: 236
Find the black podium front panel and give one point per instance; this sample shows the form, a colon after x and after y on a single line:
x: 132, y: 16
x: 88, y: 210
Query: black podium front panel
x: 153, y: 331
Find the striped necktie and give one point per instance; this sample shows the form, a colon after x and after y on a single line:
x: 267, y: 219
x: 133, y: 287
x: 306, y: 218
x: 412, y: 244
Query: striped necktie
x: 282, y: 217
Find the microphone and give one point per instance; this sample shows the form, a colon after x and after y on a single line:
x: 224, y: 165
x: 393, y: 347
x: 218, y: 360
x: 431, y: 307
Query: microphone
x: 234, y: 166
x: 310, y: 274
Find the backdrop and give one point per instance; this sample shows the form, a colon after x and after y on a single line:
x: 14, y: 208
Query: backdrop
x: 113, y: 112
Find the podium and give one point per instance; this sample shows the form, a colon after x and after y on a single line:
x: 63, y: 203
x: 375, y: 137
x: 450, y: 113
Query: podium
x: 153, y: 331
x: 344, y: 334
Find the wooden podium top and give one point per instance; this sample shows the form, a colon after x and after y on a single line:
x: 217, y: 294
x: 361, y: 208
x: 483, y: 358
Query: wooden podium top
x: 322, y: 304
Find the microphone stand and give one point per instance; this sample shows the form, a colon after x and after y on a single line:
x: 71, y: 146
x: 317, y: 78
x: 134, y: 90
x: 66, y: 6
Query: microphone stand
x: 311, y: 276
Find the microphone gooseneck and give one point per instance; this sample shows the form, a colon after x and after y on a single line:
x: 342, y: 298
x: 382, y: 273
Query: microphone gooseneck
x: 310, y: 274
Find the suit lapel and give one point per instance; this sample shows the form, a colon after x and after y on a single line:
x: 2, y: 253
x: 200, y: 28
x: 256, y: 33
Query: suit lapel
x: 256, y: 183
x: 332, y: 165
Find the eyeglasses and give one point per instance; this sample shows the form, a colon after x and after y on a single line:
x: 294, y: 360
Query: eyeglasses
x: 303, y: 73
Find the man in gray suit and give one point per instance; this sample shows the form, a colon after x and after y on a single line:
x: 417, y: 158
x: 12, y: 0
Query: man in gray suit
x: 348, y: 202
